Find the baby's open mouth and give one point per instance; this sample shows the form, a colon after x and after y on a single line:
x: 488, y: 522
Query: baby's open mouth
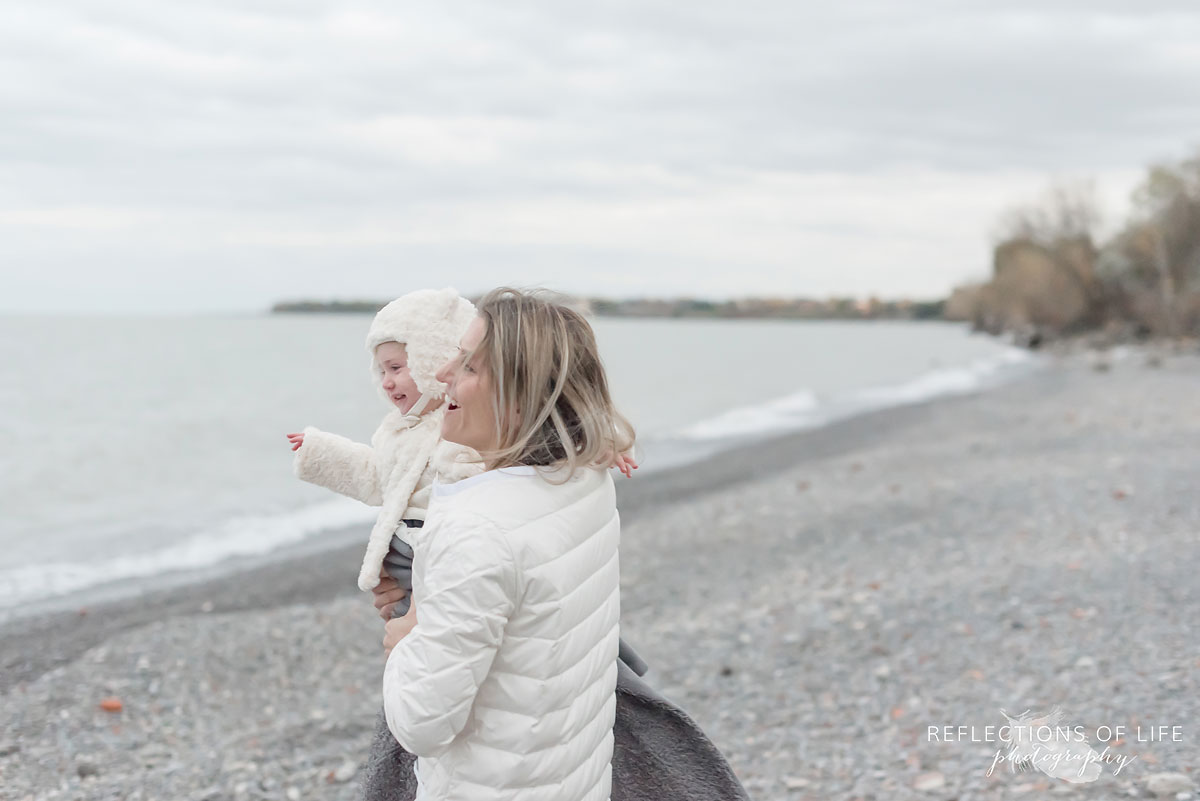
x: 398, y: 398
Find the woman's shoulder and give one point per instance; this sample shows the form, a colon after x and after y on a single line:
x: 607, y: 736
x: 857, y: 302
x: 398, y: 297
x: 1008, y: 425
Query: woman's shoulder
x: 466, y: 543
x: 514, y: 497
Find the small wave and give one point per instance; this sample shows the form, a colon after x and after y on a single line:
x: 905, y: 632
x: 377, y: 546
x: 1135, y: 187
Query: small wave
x: 943, y: 381
x: 806, y: 409
x: 251, y: 535
x: 784, y: 412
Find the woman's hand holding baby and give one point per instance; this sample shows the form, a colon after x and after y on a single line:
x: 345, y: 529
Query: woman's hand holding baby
x: 398, y: 628
x: 296, y: 439
x: 388, y: 593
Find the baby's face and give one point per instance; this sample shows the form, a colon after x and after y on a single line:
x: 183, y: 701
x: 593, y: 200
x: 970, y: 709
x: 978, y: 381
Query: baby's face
x: 392, y: 358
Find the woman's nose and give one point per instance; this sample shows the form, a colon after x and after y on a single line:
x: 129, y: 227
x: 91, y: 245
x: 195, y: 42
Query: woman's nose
x: 445, y: 373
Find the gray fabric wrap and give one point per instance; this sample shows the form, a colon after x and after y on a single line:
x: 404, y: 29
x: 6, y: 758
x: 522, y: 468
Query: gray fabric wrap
x: 659, y: 753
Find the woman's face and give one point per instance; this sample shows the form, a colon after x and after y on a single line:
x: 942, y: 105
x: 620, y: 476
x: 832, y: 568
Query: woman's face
x: 469, y: 418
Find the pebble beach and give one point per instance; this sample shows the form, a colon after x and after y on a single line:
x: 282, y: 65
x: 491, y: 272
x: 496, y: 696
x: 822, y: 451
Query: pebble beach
x: 824, y: 604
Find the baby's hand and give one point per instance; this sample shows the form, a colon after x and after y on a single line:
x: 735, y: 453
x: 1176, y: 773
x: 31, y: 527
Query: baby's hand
x: 625, y: 464
x: 296, y: 439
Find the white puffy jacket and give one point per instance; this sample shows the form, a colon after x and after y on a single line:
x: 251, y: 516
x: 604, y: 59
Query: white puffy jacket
x: 505, y: 689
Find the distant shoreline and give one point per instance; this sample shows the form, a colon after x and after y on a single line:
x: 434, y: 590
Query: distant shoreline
x: 690, y: 308
x: 844, y: 309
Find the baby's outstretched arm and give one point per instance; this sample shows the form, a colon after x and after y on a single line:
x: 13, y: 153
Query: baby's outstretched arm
x: 337, y: 463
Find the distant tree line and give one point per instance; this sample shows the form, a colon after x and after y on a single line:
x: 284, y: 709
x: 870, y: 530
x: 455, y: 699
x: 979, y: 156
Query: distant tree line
x: 331, y: 306
x: 769, y: 308
x: 1050, y: 277
x: 745, y: 308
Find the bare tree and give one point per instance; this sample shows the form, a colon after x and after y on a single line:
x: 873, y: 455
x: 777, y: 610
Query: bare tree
x: 1163, y: 238
x: 1067, y: 210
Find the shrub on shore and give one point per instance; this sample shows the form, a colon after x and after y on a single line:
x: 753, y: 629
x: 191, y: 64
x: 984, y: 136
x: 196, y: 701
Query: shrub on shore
x: 1050, y: 278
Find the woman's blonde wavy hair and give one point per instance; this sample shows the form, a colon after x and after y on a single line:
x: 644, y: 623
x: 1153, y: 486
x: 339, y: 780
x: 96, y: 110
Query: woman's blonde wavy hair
x: 550, y: 394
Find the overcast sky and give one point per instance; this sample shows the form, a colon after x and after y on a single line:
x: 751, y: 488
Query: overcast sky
x: 225, y: 154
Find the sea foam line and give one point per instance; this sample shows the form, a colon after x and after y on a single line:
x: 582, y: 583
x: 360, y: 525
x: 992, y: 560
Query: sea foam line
x: 806, y: 409
x: 250, y: 535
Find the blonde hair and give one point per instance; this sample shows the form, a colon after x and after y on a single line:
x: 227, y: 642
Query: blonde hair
x: 550, y: 394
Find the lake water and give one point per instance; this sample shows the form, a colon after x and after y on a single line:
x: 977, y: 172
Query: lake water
x: 131, y: 447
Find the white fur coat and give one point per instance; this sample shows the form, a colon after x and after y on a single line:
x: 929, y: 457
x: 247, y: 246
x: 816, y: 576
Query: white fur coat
x: 396, y: 471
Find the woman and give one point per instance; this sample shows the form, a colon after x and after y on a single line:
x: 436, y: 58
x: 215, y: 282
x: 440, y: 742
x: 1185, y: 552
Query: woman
x: 503, y: 676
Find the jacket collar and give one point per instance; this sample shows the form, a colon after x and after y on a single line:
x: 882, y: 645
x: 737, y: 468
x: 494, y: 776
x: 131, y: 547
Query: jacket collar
x: 442, y: 490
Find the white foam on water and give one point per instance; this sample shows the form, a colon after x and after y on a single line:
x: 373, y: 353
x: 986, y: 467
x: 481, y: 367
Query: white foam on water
x: 806, y: 409
x: 945, y: 381
x: 251, y: 535
x: 778, y: 414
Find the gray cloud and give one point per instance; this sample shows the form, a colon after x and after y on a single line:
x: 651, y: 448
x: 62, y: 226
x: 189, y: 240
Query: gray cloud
x: 227, y: 154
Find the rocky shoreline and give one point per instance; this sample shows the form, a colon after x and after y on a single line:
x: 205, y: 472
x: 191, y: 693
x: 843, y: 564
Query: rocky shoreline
x: 816, y: 602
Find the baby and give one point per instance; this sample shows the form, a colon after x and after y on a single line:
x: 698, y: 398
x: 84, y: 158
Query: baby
x: 410, y: 338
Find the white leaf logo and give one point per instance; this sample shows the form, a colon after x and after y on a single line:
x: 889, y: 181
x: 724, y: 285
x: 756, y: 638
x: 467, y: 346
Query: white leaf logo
x: 1057, y: 752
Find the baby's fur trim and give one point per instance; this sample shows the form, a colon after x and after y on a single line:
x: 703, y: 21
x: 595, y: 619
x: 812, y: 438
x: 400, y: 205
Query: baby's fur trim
x: 412, y: 451
x: 386, y: 473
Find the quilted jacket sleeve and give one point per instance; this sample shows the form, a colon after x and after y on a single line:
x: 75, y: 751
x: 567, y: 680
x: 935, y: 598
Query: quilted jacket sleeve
x: 339, y: 464
x: 465, y: 594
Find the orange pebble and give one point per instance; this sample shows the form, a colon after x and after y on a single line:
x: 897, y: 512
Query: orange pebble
x: 111, y: 704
